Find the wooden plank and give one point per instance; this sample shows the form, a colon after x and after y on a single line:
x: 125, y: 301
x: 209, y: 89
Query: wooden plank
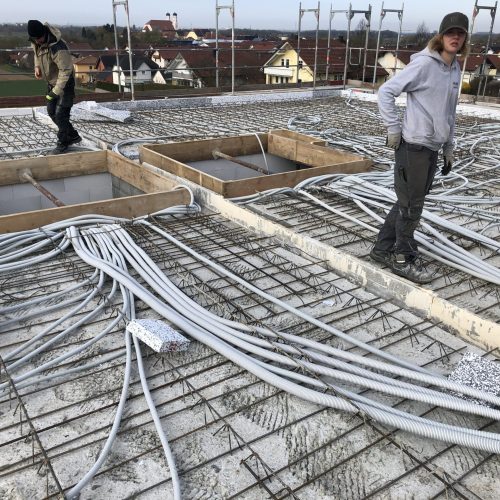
x: 297, y: 136
x: 180, y: 169
x: 233, y: 189
x: 285, y: 147
x: 132, y: 173
x: 128, y: 207
x: 190, y: 151
x: 54, y: 166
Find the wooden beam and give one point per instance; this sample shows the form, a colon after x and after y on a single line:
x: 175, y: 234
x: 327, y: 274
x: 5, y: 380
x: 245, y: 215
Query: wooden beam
x: 54, y: 166
x: 132, y: 173
x: 190, y: 151
x: 128, y: 207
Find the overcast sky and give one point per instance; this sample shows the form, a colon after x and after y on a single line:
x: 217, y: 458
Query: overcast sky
x: 271, y: 14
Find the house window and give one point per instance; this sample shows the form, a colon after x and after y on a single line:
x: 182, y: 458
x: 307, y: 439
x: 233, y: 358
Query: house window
x: 277, y: 80
x: 143, y: 72
x: 287, y: 63
x: 300, y: 64
x: 282, y: 62
x: 282, y: 80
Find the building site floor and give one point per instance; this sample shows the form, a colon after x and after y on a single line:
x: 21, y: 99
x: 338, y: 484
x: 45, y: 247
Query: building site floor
x: 232, y: 435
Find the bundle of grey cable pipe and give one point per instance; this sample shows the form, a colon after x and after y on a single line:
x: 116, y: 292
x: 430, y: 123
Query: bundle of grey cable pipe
x: 272, y: 356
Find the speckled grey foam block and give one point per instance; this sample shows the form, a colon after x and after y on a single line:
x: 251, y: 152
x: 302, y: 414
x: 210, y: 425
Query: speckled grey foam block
x: 158, y: 335
x: 474, y: 371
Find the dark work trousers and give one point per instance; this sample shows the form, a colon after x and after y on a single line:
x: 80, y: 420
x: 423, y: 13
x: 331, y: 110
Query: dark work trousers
x: 59, y: 111
x: 413, y: 175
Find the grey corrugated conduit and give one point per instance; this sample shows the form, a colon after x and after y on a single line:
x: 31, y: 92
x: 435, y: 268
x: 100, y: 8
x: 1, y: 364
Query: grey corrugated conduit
x: 481, y: 440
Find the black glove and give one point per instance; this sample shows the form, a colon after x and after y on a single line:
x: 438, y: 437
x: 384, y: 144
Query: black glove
x: 51, y: 96
x: 447, y: 163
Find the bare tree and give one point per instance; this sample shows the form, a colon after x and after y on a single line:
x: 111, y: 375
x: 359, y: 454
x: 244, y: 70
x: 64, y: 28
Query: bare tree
x: 422, y: 34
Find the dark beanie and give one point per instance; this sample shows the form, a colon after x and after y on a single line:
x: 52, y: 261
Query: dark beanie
x: 35, y: 28
x: 454, y: 20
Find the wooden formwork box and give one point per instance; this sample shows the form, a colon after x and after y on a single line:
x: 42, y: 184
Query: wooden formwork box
x: 312, y: 154
x: 157, y: 188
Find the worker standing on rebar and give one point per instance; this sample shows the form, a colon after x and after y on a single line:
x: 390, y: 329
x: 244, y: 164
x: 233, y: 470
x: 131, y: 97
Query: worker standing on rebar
x: 431, y: 81
x: 54, y: 63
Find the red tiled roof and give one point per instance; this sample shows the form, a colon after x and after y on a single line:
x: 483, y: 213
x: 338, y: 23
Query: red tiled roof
x: 247, y: 64
x: 90, y: 60
x: 167, y: 54
x: 473, y: 62
x: 160, y: 25
x: 494, y: 60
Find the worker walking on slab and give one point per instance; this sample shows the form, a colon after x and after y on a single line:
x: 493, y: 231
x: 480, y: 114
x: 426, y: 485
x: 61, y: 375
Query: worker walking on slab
x: 54, y: 63
x: 431, y: 81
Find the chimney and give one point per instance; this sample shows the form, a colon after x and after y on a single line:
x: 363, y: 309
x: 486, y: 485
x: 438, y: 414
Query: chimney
x: 174, y: 20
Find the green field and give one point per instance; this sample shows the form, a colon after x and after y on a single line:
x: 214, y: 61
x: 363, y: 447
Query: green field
x: 16, y: 88
x: 22, y: 88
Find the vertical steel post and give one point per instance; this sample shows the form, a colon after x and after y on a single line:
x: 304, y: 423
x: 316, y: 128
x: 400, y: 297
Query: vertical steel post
x: 218, y: 8
x: 116, y: 48
x: 301, y: 13
x: 368, y: 17
x: 382, y: 15
x: 493, y: 11
x: 471, y: 30
x: 349, y: 17
x: 400, y: 15
x: 130, y: 56
x: 316, y: 48
x: 232, y: 51
x: 332, y: 13
x: 327, y: 70
x: 217, y: 43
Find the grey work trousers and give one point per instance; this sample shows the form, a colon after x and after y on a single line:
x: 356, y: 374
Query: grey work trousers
x: 413, y: 176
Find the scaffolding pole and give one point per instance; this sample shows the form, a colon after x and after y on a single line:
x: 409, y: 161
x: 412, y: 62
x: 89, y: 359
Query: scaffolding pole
x: 218, y: 9
x: 368, y: 17
x: 383, y: 13
x: 130, y: 56
x: 483, y: 76
x: 301, y: 14
x: 332, y: 14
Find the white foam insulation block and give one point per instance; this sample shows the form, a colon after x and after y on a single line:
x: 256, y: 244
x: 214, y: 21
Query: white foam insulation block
x: 158, y: 335
x: 477, y: 372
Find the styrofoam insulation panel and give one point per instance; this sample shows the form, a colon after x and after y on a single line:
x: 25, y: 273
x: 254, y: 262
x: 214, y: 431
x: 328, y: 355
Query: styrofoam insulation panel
x: 158, y: 335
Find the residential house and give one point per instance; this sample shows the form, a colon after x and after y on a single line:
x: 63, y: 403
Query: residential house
x: 162, y: 77
x: 163, y: 57
x: 195, y: 34
x: 197, y: 68
x: 284, y: 66
x: 394, y: 64
x: 104, y: 68
x: 86, y: 69
x: 22, y: 59
x: 472, y: 67
x: 143, y: 70
x: 80, y: 49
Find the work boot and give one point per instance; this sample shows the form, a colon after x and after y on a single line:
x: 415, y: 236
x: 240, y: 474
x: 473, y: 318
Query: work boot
x: 381, y: 256
x: 59, y: 149
x: 74, y: 139
x: 409, y: 268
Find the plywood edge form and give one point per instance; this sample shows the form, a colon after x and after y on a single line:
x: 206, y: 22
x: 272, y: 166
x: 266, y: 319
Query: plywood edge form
x: 202, y: 149
x: 424, y: 302
x: 128, y: 208
x: 54, y: 166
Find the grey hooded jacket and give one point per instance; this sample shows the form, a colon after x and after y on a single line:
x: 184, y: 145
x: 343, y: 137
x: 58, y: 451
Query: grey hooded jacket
x: 432, y: 94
